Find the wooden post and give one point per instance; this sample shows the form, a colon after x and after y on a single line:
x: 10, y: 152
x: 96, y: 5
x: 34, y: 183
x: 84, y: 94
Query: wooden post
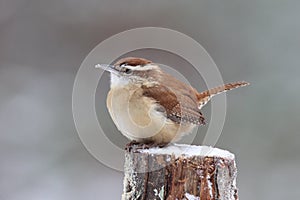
x: 179, y: 172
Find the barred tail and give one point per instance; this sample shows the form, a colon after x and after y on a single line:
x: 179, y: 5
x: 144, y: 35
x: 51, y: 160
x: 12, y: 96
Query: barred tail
x: 205, y: 96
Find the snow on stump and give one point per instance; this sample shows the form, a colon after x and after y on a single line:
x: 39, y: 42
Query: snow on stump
x: 179, y: 172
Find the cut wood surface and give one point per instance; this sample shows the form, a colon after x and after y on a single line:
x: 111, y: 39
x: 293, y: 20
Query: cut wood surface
x: 179, y: 172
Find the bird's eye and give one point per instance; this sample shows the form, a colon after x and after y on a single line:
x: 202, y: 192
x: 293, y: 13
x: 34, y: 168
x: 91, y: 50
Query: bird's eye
x: 128, y: 71
x: 123, y: 64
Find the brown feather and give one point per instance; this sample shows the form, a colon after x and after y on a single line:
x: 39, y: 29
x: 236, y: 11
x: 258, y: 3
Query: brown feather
x: 132, y: 61
x: 178, y: 107
x: 205, y: 96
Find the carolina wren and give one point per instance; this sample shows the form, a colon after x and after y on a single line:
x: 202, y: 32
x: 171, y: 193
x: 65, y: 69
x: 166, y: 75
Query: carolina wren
x: 149, y: 105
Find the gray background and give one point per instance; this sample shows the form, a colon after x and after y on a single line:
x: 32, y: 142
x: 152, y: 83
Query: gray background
x: 42, y: 44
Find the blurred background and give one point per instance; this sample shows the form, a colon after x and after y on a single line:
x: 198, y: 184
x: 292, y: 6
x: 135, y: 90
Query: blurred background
x: 42, y: 44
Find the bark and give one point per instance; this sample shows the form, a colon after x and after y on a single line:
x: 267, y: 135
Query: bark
x: 179, y: 172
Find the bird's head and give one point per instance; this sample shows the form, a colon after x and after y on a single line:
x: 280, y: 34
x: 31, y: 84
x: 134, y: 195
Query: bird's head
x: 131, y: 70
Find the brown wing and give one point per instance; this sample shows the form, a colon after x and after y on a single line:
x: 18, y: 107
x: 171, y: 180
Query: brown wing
x: 179, y: 107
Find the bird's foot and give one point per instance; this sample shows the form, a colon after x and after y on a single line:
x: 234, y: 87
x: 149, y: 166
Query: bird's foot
x: 128, y: 146
x: 151, y: 144
x: 144, y: 145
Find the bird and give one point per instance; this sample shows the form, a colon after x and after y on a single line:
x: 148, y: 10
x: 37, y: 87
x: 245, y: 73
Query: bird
x: 150, y: 106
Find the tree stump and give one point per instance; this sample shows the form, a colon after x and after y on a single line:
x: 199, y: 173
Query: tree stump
x: 179, y: 172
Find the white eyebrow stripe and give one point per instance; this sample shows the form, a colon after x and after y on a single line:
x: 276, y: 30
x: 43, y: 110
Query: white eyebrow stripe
x: 142, y: 68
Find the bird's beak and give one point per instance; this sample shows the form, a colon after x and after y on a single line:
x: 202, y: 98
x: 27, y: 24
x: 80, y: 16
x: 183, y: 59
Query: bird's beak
x: 106, y: 67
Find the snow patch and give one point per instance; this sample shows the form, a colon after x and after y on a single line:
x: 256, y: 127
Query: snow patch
x: 191, y: 197
x: 209, y: 183
x: 159, y: 194
x: 184, y: 150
